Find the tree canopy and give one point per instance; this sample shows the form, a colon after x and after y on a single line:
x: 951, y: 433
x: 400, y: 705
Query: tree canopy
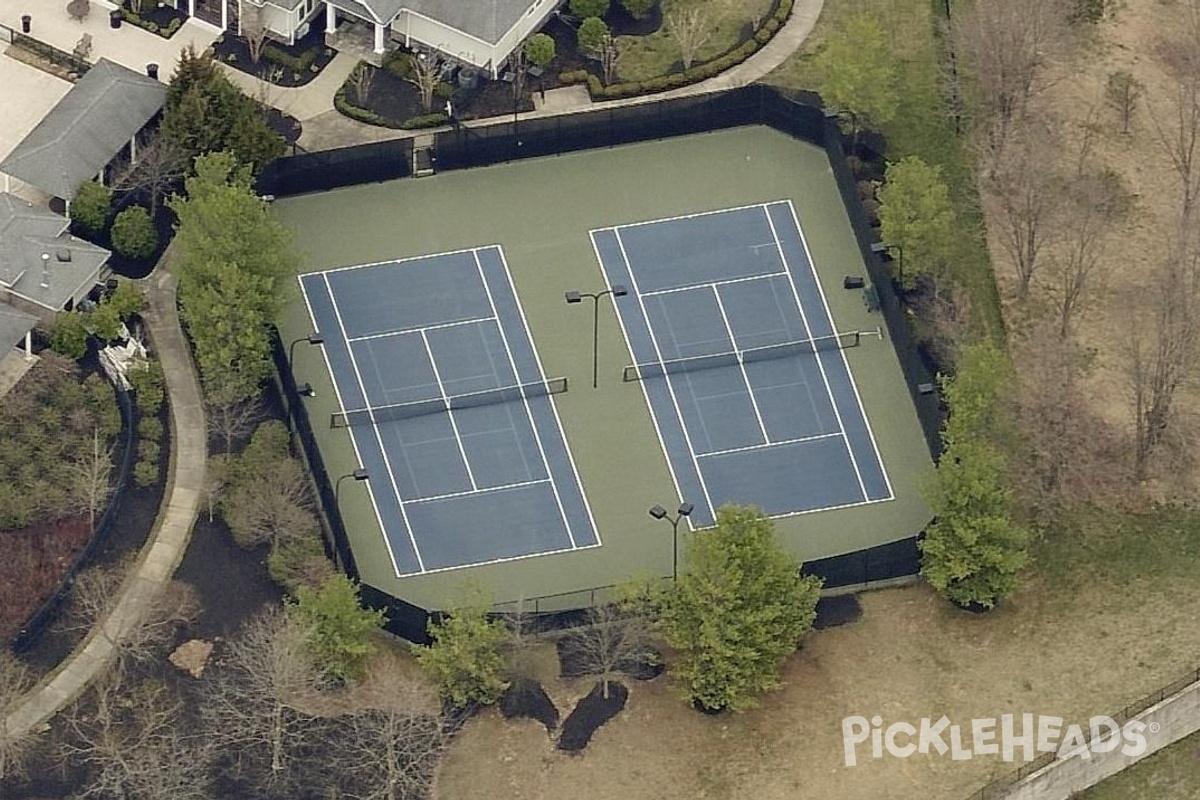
x: 858, y: 73
x: 738, y: 609
x: 465, y: 660
x: 916, y: 214
x: 340, y: 630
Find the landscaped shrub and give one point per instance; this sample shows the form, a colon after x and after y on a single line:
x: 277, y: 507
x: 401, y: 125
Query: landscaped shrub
x: 146, y: 379
x: 70, y: 334
x: 425, y: 121
x: 573, y: 76
x: 133, y: 233
x: 145, y: 471
x: 344, y: 106
x: 637, y: 8
x: 539, y: 49
x: 287, y: 61
x: 591, y: 35
x: 588, y: 8
x: 89, y: 209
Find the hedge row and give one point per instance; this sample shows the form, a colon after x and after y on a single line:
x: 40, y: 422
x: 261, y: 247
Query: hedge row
x: 699, y: 72
x: 133, y: 19
x: 345, y: 107
x: 288, y: 61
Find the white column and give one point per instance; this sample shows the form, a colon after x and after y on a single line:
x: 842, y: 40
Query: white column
x: 191, y: 8
x: 133, y: 150
x: 379, y: 38
x: 29, y: 345
x: 224, y: 15
x: 330, y: 18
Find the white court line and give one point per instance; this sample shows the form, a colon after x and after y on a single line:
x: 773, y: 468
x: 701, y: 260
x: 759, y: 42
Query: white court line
x: 421, y: 329
x: 507, y: 559
x: 741, y: 367
x: 393, y: 261
x: 670, y: 386
x: 683, y: 216
x: 383, y: 450
x: 802, y: 439
x: 645, y: 392
x: 866, y: 420
x: 691, y: 286
x: 817, y: 355
x: 462, y: 450
x: 553, y: 407
x: 524, y: 400
x: 472, y: 492
x: 353, y: 439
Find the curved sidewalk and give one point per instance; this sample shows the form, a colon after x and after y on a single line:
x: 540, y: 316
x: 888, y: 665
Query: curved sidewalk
x: 329, y: 129
x: 172, y: 530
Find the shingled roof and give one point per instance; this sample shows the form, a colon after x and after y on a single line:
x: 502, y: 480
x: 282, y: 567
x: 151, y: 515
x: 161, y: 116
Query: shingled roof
x: 86, y: 130
x: 39, y: 260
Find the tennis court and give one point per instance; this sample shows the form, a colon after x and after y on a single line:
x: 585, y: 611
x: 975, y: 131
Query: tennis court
x: 449, y: 410
x: 742, y: 367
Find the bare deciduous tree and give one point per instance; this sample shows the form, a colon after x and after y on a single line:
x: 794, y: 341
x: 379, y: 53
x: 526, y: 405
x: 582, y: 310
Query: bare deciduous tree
x: 15, y: 681
x: 93, y: 595
x: 255, y: 707
x: 393, y: 754
x: 230, y: 421
x: 1163, y: 354
x: 273, y: 507
x: 92, y: 477
x: 1025, y: 192
x: 254, y: 30
x: 362, y: 79
x: 1002, y: 50
x: 1093, y: 204
x: 610, y: 58
x: 1178, y: 128
x: 161, y: 163
x: 1122, y: 93
x: 130, y: 741
x: 426, y: 75
x: 691, y: 29
x: 615, y: 638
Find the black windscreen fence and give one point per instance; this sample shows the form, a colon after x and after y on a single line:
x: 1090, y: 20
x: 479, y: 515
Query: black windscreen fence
x: 457, y: 147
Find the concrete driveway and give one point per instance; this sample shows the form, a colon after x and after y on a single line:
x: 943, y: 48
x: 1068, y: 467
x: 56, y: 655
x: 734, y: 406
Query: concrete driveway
x: 28, y: 95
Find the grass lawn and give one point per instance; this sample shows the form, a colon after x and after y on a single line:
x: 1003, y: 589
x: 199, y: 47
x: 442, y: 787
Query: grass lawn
x: 922, y: 127
x: 1106, y: 618
x: 1170, y: 774
x: 656, y: 54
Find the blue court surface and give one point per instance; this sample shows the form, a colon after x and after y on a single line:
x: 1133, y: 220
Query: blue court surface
x: 449, y: 411
x: 744, y: 372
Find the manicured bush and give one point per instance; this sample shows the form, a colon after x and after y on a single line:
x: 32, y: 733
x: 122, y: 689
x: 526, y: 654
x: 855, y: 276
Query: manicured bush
x: 150, y: 429
x: 145, y: 473
x: 288, y: 61
x: 70, y: 334
x: 133, y: 233
x: 425, y: 121
x: 539, y: 49
x: 352, y: 111
x: 588, y: 8
x: 783, y: 10
x: 637, y: 8
x: 90, y: 207
x: 591, y: 35
x: 573, y: 76
x: 146, y: 378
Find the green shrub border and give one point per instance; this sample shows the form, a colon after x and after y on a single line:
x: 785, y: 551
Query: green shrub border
x: 697, y: 73
x: 133, y: 19
x: 345, y: 107
x: 276, y: 56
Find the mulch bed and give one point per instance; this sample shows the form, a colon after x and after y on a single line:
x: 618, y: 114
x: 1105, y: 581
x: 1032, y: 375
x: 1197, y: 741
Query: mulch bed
x: 572, y: 664
x: 590, y: 713
x: 397, y: 100
x: 835, y: 611
x: 526, y: 698
x: 34, y: 562
x: 313, y: 42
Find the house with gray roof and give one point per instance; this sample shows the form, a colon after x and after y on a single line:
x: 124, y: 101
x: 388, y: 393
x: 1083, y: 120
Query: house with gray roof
x: 43, y: 268
x: 476, y: 33
x: 97, y: 120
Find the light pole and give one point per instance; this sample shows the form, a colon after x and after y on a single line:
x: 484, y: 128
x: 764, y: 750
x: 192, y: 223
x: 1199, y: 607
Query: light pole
x: 312, y: 338
x: 359, y: 474
x: 577, y: 297
x: 685, y: 510
x: 883, y: 248
x: 306, y: 390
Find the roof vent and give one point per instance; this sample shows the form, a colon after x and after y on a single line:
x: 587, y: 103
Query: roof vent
x: 63, y: 255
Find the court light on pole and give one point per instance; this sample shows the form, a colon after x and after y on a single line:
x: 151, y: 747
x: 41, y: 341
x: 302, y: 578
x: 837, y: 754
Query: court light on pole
x: 883, y: 248
x: 312, y: 338
x: 306, y: 390
x: 359, y: 474
x: 577, y: 297
x: 685, y: 510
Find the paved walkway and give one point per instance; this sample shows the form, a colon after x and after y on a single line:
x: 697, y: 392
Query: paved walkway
x: 327, y: 130
x: 171, y: 533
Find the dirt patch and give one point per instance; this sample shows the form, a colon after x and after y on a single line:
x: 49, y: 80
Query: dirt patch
x: 34, y: 562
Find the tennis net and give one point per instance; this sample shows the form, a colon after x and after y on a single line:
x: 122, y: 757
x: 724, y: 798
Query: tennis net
x: 437, y: 405
x: 654, y: 369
